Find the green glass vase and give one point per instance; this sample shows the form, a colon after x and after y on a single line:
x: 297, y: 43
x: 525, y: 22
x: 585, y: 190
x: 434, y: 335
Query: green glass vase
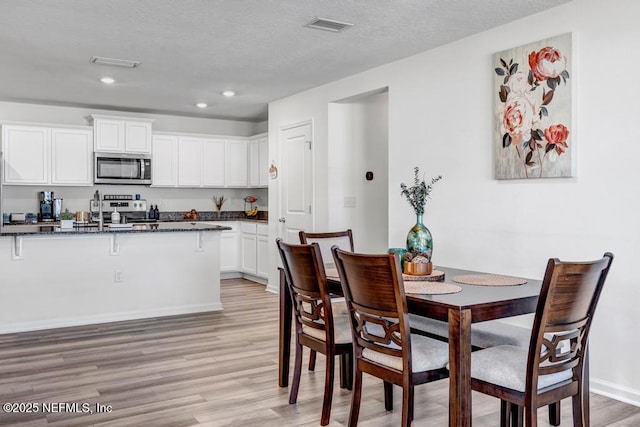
x: 419, y: 238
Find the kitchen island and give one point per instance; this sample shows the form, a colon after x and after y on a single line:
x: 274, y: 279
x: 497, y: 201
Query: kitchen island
x: 54, y: 277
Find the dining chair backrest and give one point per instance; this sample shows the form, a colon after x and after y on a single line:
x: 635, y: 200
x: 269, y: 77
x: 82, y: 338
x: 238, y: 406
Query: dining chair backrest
x: 568, y: 299
x: 307, y: 283
x: 342, y: 239
x: 374, y: 292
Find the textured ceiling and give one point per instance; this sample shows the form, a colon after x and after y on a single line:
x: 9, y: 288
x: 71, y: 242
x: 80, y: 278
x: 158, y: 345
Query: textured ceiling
x: 191, y: 50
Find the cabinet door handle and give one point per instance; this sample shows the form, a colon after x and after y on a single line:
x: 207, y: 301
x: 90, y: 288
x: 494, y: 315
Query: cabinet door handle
x: 282, y: 219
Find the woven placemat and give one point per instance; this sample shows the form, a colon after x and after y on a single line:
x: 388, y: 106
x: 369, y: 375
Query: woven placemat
x: 489, y: 280
x: 435, y: 276
x: 431, y: 288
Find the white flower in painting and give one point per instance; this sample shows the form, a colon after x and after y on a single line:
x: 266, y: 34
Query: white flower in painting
x: 518, y: 83
x: 519, y: 117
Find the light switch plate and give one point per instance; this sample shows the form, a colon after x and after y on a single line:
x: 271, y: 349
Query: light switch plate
x: 349, y: 202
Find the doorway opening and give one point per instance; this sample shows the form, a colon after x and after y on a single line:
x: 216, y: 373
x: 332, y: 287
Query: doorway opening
x: 358, y: 187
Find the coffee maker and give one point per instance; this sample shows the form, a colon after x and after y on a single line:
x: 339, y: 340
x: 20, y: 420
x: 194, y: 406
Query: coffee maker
x: 46, y: 206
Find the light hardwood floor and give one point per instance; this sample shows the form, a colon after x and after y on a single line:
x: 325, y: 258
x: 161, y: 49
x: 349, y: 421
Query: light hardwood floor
x: 217, y: 369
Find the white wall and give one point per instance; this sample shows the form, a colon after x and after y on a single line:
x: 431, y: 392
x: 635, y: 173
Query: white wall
x: 440, y: 118
x: 13, y: 111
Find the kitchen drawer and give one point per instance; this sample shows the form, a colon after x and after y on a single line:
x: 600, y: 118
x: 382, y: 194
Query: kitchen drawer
x: 263, y: 229
x: 248, y: 227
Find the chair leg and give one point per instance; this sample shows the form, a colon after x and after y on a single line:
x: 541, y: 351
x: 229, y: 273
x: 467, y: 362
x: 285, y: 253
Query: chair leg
x: 505, y: 413
x: 530, y: 416
x: 578, y: 412
x: 407, y: 398
x: 328, y: 390
x: 297, y: 371
x: 554, y: 413
x: 355, y: 398
x: 346, y: 370
x: 516, y: 413
x: 388, y: 396
x: 312, y: 360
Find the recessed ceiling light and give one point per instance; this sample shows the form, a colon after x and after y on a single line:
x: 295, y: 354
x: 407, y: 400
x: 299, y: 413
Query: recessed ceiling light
x: 228, y: 93
x: 201, y: 105
x: 108, y: 80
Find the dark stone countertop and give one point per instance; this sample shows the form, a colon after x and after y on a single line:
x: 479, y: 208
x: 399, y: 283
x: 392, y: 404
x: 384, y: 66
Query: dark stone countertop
x: 262, y: 216
x: 160, y: 227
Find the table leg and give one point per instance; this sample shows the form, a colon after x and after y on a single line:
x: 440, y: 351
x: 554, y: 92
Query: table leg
x: 459, y: 368
x: 284, y: 347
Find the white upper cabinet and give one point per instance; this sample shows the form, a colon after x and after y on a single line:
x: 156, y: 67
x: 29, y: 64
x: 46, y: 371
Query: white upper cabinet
x: 26, y: 154
x: 122, y: 134
x: 259, y: 162
x: 36, y: 155
x: 164, y: 161
x: 71, y: 157
x: 189, y: 161
x: 236, y: 163
x: 200, y: 161
x: 109, y: 135
x: 137, y: 137
x: 213, y: 162
x: 263, y: 162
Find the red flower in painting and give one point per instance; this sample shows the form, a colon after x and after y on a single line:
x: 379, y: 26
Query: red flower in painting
x: 556, y: 136
x: 547, y: 63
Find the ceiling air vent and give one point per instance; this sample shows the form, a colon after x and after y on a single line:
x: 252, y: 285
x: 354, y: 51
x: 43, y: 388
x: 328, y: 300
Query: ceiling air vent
x: 328, y: 25
x: 126, y: 63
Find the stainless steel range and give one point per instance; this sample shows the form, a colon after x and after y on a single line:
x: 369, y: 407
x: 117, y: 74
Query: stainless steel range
x: 131, y: 211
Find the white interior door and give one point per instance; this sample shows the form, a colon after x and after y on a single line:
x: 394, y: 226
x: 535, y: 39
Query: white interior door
x: 297, y: 174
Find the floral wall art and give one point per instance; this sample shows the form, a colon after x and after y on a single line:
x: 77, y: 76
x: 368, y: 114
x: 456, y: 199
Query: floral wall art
x: 534, y: 130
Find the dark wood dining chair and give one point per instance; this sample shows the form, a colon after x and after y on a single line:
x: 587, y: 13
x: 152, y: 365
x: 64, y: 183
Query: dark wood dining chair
x: 553, y: 367
x: 344, y: 240
x: 382, y: 343
x: 316, y: 327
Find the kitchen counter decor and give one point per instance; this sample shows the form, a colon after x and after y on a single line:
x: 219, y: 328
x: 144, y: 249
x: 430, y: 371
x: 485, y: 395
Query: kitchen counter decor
x: 219, y: 201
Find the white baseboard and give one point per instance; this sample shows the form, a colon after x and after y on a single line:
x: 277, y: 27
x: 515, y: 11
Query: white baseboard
x: 105, y: 318
x: 615, y: 391
x: 230, y: 275
x: 256, y: 279
x: 275, y: 290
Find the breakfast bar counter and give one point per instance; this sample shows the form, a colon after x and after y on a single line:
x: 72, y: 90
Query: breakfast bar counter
x: 39, y: 229
x: 53, y: 277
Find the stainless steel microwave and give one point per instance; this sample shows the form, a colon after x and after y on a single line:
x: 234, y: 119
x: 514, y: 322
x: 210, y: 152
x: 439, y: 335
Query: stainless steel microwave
x: 116, y: 168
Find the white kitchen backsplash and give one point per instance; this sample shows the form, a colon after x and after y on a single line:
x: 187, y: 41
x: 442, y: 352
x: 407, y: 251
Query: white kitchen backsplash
x: 25, y: 198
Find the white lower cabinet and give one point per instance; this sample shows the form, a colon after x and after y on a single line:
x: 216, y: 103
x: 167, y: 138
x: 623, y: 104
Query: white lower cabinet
x: 248, y: 256
x: 254, y: 249
x: 262, y: 251
x: 228, y: 247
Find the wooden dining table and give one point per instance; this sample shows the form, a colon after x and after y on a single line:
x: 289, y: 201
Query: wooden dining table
x: 473, y: 304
